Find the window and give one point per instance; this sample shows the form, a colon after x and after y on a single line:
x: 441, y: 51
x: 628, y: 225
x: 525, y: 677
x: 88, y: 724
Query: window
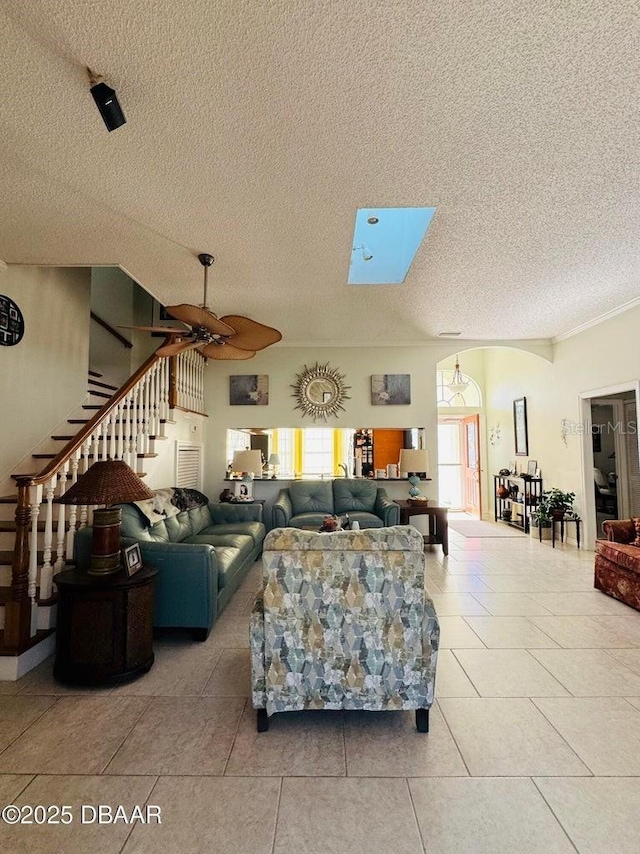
x: 471, y: 396
x: 237, y: 440
x: 286, y: 452
x: 450, y: 464
x: 317, y: 451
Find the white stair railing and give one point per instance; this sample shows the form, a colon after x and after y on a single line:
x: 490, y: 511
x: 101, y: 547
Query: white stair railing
x: 122, y: 429
x: 188, y: 389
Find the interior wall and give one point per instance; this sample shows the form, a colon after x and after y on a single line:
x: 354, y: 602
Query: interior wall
x: 44, y: 377
x: 282, y: 363
x: 603, y: 356
x: 121, y: 302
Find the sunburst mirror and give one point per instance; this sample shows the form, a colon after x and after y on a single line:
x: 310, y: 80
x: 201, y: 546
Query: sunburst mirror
x: 320, y: 391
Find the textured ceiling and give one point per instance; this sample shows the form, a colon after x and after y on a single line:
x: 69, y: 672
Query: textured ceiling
x: 256, y: 129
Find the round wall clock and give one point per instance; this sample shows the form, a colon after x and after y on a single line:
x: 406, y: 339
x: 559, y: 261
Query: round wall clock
x: 320, y: 391
x: 11, y: 322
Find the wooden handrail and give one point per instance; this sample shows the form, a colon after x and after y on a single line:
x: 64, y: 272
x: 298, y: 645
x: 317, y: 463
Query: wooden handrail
x: 125, y: 343
x: 78, y: 440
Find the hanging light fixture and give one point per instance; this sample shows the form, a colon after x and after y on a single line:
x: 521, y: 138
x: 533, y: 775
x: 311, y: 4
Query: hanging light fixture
x: 457, y: 384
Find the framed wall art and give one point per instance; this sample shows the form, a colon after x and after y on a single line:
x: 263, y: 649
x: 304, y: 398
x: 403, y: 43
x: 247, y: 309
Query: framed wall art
x: 520, y: 426
x: 249, y: 390
x: 390, y: 389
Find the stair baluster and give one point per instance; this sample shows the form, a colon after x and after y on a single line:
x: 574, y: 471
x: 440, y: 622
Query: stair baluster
x: 35, y: 500
x: 73, y: 509
x: 62, y: 514
x: 46, y: 572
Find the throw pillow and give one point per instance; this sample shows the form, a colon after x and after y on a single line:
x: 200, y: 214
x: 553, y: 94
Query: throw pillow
x: 636, y: 523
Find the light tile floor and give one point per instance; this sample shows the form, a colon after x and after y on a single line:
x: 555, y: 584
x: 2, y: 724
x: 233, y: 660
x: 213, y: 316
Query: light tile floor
x: 534, y: 742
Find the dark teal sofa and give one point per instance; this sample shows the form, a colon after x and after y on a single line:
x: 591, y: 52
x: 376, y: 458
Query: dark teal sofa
x: 306, y: 502
x: 201, y: 555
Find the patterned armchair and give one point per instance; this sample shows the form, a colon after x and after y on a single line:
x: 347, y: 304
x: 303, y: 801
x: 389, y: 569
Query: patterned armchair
x: 343, y: 622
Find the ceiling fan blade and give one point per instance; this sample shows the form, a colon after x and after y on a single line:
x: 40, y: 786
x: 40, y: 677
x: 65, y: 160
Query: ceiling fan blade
x: 170, y: 330
x: 251, y: 335
x: 177, y: 347
x: 226, y: 352
x: 195, y: 315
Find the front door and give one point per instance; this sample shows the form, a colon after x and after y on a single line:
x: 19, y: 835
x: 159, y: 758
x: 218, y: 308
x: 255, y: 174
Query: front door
x: 471, y: 471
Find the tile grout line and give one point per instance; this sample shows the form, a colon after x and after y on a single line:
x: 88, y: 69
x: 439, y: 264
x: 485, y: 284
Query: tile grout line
x: 461, y: 665
x: 235, y: 736
x: 26, y: 729
x: 453, y: 738
x: 556, y: 730
x: 146, y: 801
x: 552, y: 811
x: 484, y: 646
x: 415, y: 814
x: 126, y: 736
x: 275, y: 824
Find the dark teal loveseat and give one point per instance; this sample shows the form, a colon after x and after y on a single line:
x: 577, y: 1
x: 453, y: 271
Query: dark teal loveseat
x: 201, y: 555
x: 306, y: 502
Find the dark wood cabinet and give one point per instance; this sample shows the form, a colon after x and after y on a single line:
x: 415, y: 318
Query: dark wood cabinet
x: 105, y: 627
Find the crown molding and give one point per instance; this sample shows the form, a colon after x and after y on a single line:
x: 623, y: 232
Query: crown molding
x: 601, y: 318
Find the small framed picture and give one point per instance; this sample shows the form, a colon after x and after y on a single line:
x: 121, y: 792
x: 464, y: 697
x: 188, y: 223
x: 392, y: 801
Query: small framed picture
x: 132, y: 559
x: 243, y: 490
x: 532, y: 467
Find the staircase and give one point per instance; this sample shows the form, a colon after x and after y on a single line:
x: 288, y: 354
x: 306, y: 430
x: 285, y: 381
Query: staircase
x: 37, y: 531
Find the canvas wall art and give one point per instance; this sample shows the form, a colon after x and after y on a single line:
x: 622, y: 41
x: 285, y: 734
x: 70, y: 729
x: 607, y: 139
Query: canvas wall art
x: 390, y: 389
x: 249, y: 390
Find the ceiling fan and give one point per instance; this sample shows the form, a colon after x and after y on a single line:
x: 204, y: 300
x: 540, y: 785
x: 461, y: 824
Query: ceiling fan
x: 229, y: 337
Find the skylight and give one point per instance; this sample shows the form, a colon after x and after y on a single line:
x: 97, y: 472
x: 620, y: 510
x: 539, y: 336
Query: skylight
x: 385, y: 242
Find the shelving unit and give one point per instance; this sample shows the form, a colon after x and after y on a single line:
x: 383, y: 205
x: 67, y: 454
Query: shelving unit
x: 364, y: 449
x: 524, y: 495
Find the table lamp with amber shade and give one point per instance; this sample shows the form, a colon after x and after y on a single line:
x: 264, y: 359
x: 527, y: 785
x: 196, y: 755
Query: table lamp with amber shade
x: 106, y: 482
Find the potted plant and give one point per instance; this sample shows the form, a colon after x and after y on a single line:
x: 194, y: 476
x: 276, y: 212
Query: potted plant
x: 540, y: 521
x: 557, y: 502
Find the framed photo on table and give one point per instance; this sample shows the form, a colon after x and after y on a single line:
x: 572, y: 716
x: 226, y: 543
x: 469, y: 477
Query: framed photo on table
x: 520, y: 426
x: 243, y: 490
x: 132, y: 559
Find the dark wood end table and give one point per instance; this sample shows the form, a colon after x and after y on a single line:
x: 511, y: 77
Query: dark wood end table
x: 438, y: 522
x: 105, y: 626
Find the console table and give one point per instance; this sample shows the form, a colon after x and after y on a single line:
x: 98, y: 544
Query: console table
x: 438, y: 522
x: 105, y: 626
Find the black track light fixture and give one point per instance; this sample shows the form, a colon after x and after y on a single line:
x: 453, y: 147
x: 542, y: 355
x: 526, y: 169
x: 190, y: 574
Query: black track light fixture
x: 106, y: 101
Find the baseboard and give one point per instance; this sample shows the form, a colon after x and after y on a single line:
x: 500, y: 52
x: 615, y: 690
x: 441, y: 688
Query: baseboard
x: 12, y: 667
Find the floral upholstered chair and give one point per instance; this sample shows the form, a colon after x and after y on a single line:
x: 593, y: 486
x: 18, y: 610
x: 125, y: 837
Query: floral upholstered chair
x: 343, y: 622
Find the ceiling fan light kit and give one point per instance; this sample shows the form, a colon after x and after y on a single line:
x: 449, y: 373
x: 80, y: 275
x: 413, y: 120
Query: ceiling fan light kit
x: 233, y: 337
